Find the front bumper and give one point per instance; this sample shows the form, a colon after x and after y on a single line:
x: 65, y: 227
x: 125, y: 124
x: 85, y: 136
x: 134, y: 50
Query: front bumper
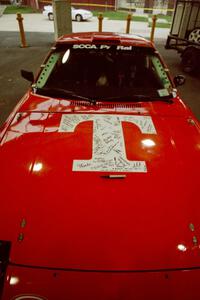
x: 39, y: 283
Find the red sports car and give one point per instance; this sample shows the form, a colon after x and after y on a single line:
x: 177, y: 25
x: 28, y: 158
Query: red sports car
x: 99, y: 179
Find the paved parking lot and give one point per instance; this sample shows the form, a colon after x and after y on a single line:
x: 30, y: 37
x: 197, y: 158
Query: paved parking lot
x: 40, y: 23
x: 13, y: 58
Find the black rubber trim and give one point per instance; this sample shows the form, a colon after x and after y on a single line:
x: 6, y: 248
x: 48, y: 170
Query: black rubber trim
x: 104, y: 271
x: 4, y: 261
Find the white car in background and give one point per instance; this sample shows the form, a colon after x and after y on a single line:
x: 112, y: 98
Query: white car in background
x: 77, y: 14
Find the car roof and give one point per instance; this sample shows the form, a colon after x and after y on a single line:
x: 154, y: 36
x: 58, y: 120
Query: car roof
x: 105, y: 38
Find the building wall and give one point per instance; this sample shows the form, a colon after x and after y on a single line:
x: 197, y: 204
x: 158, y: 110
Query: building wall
x: 102, y: 5
x: 147, y: 6
x: 87, y: 4
x: 95, y: 4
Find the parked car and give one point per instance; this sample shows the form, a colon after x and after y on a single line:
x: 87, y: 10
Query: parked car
x: 99, y: 178
x: 77, y: 14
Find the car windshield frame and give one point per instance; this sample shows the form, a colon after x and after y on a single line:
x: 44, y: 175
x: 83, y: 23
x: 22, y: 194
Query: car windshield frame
x: 105, y: 73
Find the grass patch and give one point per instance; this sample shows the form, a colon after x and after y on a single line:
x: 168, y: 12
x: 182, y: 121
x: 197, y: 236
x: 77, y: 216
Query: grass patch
x: 164, y: 17
x: 119, y: 15
x: 161, y: 25
x: 160, y: 17
x: 140, y: 19
x: 122, y: 15
x: 12, y: 9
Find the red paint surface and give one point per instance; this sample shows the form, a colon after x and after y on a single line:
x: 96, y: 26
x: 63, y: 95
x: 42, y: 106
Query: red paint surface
x: 109, y: 286
x: 81, y: 221
x: 105, y: 38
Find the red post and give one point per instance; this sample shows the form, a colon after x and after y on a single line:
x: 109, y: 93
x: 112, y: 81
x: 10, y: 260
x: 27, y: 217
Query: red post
x: 21, y: 30
x: 100, y: 17
x: 128, y: 24
x: 154, y: 19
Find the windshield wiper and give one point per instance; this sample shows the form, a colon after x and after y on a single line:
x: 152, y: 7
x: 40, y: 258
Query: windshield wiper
x: 58, y: 92
x: 134, y: 98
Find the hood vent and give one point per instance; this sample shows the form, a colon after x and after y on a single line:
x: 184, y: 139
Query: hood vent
x: 106, y: 105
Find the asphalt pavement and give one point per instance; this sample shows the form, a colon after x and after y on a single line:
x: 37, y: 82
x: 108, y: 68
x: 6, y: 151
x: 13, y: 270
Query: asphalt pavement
x: 13, y: 58
x: 40, y: 23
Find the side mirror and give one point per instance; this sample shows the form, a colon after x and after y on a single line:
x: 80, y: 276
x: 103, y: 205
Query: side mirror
x: 179, y: 80
x: 27, y: 75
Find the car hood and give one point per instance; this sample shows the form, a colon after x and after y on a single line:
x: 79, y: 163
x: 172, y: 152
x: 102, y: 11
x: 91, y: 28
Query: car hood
x: 81, y: 11
x: 61, y: 208
x: 48, y: 8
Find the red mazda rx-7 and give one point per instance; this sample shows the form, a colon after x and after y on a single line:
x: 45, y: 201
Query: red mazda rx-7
x: 100, y: 165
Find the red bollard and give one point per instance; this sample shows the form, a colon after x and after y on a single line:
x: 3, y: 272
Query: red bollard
x: 154, y: 19
x: 129, y: 19
x: 21, y: 30
x: 100, y: 17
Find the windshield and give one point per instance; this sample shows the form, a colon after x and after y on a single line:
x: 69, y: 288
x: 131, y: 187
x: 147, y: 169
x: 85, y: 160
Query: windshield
x: 104, y: 72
